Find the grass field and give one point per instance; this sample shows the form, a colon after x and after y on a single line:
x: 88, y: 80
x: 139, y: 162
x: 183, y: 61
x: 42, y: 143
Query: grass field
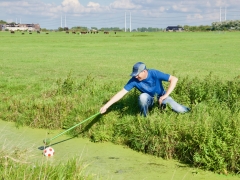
x: 56, y: 80
x: 37, y: 60
x: 40, y: 57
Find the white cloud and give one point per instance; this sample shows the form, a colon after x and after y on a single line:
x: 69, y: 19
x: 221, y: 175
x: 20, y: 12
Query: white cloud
x: 73, y: 6
x: 194, y: 17
x: 162, y: 9
x: 124, y: 4
x: 208, y: 4
x: 219, y: 3
x: 10, y: 4
x: 180, y: 8
x: 94, y: 5
x: 71, y: 3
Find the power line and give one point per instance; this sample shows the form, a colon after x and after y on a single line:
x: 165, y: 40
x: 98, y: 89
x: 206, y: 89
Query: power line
x: 135, y: 20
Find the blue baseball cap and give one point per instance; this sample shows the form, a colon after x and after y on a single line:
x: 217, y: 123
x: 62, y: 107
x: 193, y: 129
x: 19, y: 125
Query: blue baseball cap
x: 137, y: 68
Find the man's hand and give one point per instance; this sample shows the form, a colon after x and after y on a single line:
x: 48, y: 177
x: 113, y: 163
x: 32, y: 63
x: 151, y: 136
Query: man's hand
x: 114, y: 99
x: 103, y: 109
x: 173, y: 81
x: 161, y: 99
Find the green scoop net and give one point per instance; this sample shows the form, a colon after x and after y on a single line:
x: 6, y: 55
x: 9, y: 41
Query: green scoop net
x: 48, y: 140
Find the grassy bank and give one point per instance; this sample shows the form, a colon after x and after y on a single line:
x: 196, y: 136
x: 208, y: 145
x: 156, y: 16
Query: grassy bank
x: 58, y: 80
x: 15, y: 165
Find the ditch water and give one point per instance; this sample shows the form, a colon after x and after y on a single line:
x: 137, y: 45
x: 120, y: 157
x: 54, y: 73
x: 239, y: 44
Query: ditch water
x: 103, y: 160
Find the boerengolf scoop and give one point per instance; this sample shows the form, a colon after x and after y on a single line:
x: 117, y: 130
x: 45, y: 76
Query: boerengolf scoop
x: 48, y: 140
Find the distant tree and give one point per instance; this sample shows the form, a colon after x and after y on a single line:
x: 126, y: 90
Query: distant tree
x: 110, y: 29
x: 226, y: 25
x: 76, y: 27
x: 44, y: 29
x: 116, y: 29
x: 60, y: 29
x: 3, y: 22
x: 193, y: 28
x: 150, y: 29
x: 186, y: 27
x: 79, y: 28
x: 94, y: 28
x: 143, y: 29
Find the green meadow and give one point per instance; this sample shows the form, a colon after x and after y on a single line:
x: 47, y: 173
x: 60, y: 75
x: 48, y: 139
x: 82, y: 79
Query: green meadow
x: 55, y: 80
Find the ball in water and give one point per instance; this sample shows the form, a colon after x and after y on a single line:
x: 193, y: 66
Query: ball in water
x: 49, y: 151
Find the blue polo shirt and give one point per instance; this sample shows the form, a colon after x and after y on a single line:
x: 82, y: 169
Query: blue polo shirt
x: 151, y: 85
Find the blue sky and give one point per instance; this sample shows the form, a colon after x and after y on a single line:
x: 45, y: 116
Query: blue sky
x: 133, y: 14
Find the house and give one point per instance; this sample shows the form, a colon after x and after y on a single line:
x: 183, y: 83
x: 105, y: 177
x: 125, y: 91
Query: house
x: 174, y: 28
x: 20, y: 27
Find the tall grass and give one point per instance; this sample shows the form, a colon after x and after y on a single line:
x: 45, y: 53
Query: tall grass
x: 207, y: 137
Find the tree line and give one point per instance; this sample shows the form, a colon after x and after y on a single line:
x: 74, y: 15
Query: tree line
x: 232, y: 25
x: 216, y: 26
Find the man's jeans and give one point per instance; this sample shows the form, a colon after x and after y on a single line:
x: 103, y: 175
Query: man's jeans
x: 146, y: 101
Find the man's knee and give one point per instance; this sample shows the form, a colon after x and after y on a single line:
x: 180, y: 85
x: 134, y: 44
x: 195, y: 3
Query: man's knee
x: 143, y: 97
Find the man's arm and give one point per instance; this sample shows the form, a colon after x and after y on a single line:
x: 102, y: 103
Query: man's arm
x: 114, y: 99
x: 173, y: 81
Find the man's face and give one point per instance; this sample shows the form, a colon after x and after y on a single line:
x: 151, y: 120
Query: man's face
x: 142, y: 75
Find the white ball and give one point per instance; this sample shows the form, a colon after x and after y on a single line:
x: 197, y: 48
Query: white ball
x: 49, y: 151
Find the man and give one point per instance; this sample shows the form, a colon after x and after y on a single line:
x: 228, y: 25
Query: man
x: 149, y: 83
